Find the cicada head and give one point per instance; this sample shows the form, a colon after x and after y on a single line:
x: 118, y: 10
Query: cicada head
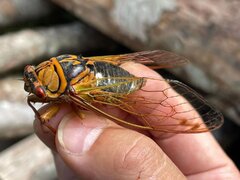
x: 32, y: 83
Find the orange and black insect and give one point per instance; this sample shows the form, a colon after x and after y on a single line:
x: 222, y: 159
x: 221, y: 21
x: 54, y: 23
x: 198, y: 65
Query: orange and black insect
x: 87, y: 82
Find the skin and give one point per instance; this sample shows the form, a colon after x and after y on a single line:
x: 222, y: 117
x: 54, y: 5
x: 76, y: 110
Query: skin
x: 93, y: 147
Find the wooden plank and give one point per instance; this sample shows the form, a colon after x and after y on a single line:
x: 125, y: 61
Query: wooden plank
x: 24, y: 47
x: 14, y: 12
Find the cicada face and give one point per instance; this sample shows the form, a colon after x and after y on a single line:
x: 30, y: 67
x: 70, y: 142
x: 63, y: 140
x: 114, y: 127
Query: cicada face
x: 32, y: 84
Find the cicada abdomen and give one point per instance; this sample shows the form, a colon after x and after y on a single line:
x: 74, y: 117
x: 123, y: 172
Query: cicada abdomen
x: 114, y: 79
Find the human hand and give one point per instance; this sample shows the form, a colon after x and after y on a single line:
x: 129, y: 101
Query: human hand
x: 97, y: 148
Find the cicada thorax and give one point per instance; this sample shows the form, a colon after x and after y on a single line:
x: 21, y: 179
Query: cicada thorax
x: 52, y: 78
x: 59, y: 73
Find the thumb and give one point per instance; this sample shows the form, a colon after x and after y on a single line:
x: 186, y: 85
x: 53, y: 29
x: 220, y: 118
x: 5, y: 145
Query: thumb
x: 96, y: 148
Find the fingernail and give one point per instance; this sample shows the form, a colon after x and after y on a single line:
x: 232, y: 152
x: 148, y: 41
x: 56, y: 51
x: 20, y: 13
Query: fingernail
x: 76, y: 135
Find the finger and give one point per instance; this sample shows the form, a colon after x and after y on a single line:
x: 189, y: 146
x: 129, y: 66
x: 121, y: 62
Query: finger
x: 192, y: 153
x: 63, y: 170
x: 96, y: 148
x: 103, y: 156
x: 160, y: 107
x: 198, y: 155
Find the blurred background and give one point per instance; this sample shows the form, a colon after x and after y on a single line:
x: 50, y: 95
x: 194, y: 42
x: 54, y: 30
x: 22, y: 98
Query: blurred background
x: 206, y: 32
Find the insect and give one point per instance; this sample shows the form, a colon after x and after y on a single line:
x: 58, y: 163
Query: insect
x: 99, y: 84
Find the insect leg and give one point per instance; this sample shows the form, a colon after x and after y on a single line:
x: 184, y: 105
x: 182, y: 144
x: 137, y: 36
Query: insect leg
x: 49, y: 113
x: 78, y: 110
x: 34, y: 109
x: 46, y: 116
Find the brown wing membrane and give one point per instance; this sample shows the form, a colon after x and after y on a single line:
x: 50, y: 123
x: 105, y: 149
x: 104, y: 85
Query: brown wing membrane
x: 155, y: 59
x: 161, y: 109
x: 211, y: 116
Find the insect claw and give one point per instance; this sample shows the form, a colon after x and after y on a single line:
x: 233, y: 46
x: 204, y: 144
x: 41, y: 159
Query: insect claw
x: 53, y: 130
x: 81, y: 115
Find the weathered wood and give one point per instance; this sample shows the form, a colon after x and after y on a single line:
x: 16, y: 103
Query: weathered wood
x: 14, y: 12
x: 16, y: 117
x: 207, y: 32
x: 28, y: 159
x: 37, y: 44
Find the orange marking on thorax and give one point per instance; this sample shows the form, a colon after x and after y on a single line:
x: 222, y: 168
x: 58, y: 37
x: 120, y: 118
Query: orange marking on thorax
x: 63, y: 81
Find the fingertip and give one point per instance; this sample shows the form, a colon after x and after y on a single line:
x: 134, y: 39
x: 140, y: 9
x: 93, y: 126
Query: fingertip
x: 76, y: 135
x: 44, y: 130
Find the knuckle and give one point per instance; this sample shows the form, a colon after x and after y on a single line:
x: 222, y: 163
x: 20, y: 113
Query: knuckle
x: 138, y: 156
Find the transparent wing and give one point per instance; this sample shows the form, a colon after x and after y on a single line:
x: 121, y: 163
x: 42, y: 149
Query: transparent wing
x: 155, y: 59
x: 174, y: 108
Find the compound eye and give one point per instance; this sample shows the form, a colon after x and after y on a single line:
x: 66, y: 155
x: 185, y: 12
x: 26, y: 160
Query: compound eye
x: 39, y: 92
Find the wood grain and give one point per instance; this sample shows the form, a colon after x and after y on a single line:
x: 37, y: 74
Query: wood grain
x: 28, y: 159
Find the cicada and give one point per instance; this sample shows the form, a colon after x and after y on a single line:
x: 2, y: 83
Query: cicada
x: 101, y: 85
